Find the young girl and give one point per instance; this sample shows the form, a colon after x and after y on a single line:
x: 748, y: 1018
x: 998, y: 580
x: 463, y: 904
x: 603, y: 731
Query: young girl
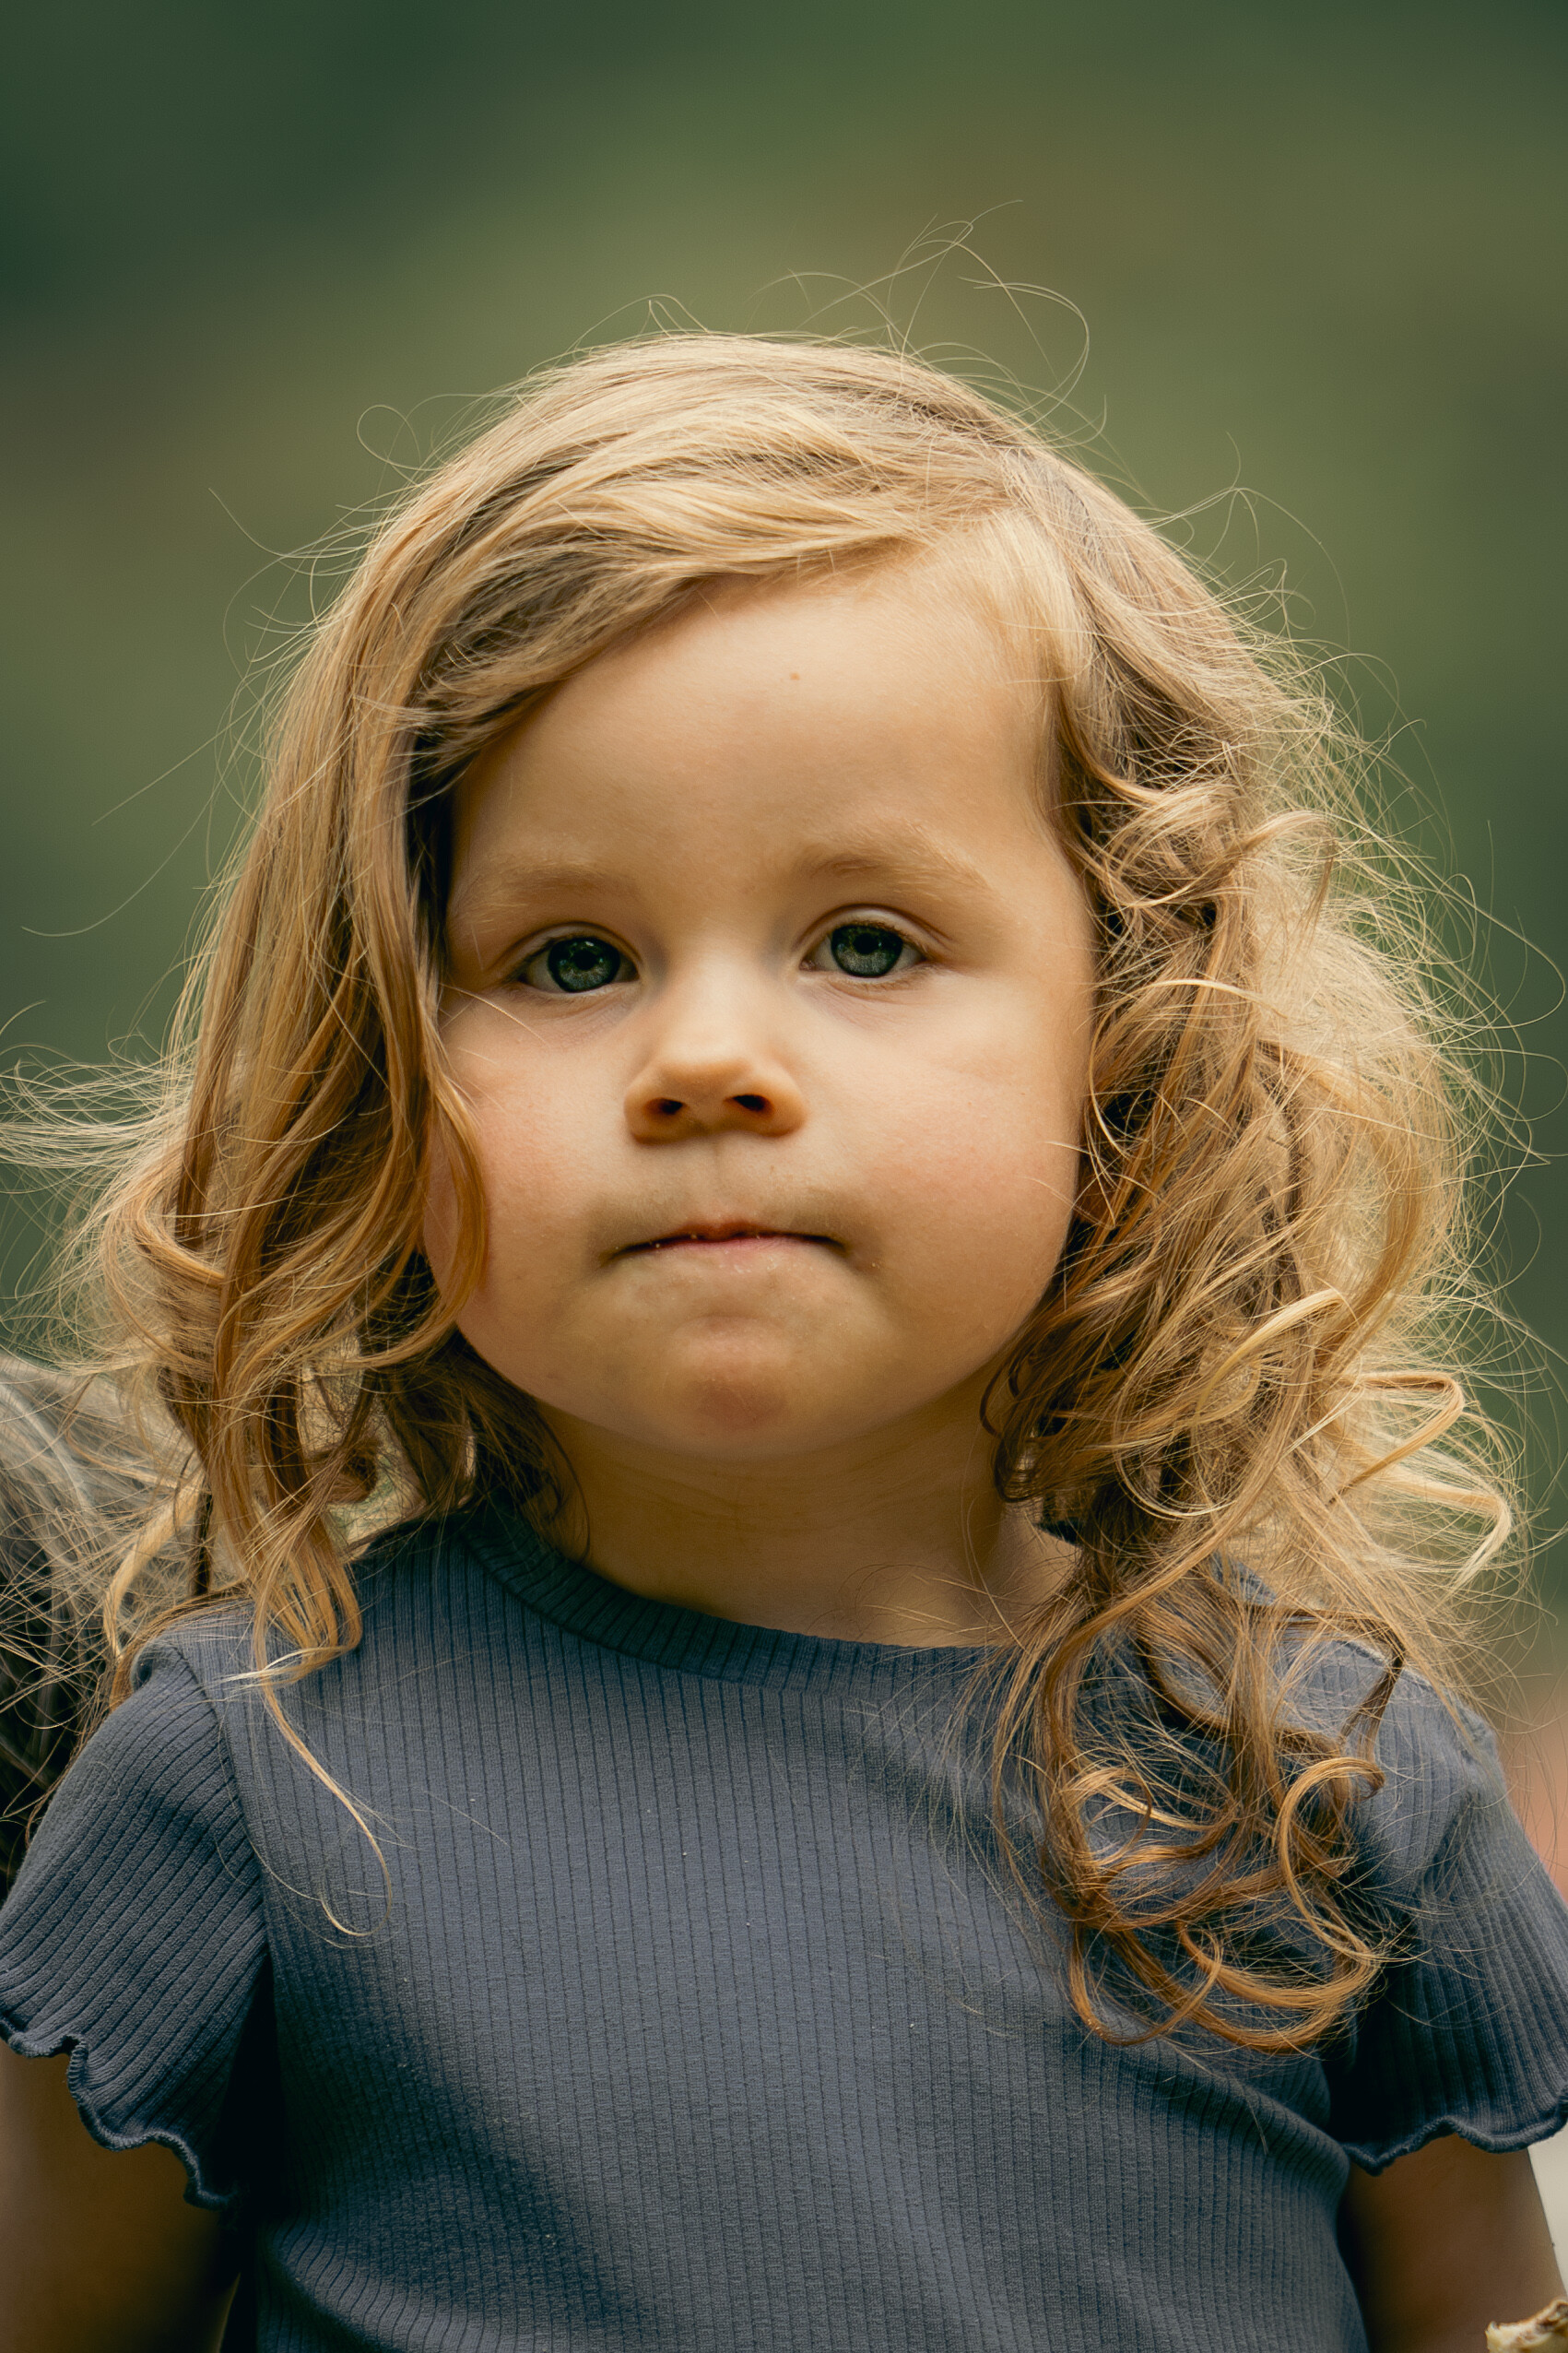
x: 791, y: 1312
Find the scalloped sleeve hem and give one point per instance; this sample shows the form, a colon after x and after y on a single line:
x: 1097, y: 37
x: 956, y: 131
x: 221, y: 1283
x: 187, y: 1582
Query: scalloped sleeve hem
x: 1468, y: 2033
x: 1501, y: 2141
x: 135, y: 1935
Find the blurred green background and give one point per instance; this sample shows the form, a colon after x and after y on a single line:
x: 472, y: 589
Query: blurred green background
x: 257, y: 261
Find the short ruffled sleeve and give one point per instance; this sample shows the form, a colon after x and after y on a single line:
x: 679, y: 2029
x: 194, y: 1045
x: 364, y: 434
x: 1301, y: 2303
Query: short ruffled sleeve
x: 135, y: 1933
x: 1467, y: 2032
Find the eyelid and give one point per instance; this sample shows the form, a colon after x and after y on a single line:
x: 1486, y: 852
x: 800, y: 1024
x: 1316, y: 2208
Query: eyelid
x: 919, y: 935
x: 873, y: 919
x: 537, y: 942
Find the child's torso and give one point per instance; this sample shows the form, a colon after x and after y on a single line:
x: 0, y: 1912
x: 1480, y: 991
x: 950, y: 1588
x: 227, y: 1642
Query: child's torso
x: 689, y: 2015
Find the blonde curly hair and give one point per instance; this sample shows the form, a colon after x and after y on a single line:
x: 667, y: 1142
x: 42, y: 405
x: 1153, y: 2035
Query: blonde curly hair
x: 1243, y: 1357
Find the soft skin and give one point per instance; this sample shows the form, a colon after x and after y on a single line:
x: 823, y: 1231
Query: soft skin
x: 760, y: 1229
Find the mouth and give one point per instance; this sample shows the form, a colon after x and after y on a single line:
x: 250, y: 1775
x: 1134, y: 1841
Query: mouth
x: 726, y: 1236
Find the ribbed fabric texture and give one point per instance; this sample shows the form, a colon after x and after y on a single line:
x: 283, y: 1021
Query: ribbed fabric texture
x: 689, y: 2016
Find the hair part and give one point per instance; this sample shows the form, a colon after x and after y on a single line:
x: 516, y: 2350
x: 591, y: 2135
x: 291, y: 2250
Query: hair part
x: 1247, y: 1350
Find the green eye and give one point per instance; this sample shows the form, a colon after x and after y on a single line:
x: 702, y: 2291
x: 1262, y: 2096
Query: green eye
x: 867, y: 951
x: 580, y: 963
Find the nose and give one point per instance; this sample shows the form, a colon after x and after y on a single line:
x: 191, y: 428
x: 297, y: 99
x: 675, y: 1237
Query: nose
x: 709, y: 1073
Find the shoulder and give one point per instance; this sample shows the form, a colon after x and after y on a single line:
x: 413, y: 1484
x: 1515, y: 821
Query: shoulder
x: 215, y: 1648
x: 1411, y: 1770
x: 159, y: 1757
x: 1465, y: 2030
x: 1337, y: 1685
x: 422, y: 1612
x: 1439, y: 1778
x: 205, y: 1725
x: 75, y: 1483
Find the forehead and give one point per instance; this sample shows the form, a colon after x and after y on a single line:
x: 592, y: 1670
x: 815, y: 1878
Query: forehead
x: 826, y: 718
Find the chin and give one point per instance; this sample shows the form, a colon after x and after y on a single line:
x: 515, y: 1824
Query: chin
x: 722, y: 1390
x: 745, y: 1419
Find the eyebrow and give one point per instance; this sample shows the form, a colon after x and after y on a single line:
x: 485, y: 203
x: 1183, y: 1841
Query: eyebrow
x: 504, y: 875
x: 915, y: 859
x: 493, y: 889
x: 919, y: 861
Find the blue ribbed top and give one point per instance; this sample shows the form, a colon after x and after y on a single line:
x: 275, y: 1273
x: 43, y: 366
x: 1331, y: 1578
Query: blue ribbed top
x: 692, y: 2014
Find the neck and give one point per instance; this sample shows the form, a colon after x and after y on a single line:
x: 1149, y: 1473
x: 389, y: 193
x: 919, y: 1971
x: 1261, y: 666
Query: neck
x: 898, y: 1536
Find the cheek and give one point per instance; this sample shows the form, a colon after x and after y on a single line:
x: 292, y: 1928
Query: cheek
x: 470, y: 1195
x: 985, y: 1185
x: 530, y: 1148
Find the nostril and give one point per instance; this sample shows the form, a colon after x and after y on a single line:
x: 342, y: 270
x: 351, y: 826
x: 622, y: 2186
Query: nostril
x: 750, y: 1102
x: 667, y: 1105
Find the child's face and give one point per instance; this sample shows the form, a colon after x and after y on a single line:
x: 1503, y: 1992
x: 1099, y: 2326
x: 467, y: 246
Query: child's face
x: 771, y: 1000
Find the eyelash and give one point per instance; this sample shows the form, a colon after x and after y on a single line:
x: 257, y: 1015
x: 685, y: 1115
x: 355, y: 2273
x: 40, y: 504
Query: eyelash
x: 536, y: 957
x: 869, y: 924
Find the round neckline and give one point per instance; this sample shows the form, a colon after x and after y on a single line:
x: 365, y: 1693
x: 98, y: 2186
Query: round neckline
x: 668, y: 1635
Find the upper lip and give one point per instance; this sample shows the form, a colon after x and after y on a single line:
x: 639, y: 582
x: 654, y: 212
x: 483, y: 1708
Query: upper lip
x: 726, y: 1229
